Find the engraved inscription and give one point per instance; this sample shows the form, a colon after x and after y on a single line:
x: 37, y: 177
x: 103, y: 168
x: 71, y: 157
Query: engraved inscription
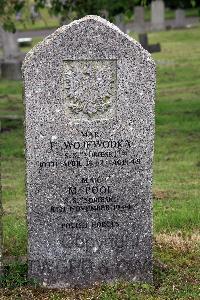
x: 89, y: 89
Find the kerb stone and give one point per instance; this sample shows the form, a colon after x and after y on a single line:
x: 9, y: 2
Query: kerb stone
x: 89, y: 97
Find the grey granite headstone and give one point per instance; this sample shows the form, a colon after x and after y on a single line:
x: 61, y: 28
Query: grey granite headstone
x: 139, y: 23
x: 157, y: 15
x: 89, y: 96
x: 9, y: 43
x: 120, y: 22
x: 12, y: 58
x: 180, y: 20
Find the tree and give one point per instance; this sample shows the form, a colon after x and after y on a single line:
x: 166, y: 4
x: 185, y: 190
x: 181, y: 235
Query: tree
x: 66, y: 9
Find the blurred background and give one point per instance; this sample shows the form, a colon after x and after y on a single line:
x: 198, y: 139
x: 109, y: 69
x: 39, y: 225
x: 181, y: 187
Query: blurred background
x: 170, y: 31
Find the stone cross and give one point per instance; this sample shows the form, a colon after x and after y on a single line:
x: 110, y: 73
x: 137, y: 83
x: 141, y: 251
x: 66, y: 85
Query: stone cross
x: 143, y: 39
x: 157, y: 15
x: 89, y: 97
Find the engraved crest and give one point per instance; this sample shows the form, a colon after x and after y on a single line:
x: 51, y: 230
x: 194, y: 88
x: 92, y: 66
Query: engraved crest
x: 89, y: 88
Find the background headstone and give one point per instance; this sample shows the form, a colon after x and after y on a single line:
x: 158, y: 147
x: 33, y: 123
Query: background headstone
x: 9, y: 44
x: 180, y: 20
x: 89, y: 96
x: 157, y: 15
x: 120, y: 23
x: 104, y: 14
x: 139, y: 23
x: 12, y: 58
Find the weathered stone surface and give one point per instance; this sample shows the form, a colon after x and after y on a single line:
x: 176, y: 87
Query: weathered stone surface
x: 139, y: 23
x: 11, y: 69
x: 180, y: 20
x: 9, y: 44
x: 12, y: 58
x: 158, y: 15
x: 120, y: 22
x: 89, y: 96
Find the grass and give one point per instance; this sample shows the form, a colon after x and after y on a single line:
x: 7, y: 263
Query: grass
x: 35, y: 40
x: 175, y: 188
x: 46, y: 21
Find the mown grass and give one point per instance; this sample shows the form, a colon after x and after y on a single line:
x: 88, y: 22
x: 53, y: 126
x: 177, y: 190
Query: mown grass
x: 175, y: 188
x: 45, y: 21
x: 35, y: 40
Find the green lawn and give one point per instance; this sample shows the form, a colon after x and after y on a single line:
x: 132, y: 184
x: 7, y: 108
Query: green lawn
x: 45, y: 21
x: 175, y: 189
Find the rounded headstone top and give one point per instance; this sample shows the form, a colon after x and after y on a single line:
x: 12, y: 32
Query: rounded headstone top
x: 82, y: 24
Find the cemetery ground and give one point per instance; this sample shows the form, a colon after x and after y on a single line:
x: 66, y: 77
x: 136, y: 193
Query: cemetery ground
x: 175, y: 187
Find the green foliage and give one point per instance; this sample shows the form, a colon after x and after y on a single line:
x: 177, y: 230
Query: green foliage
x: 7, y: 12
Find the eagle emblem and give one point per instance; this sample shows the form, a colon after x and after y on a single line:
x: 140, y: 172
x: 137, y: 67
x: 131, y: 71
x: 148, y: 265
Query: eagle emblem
x: 89, y: 87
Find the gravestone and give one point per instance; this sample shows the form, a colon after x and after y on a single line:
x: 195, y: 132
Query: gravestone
x: 89, y: 96
x: 120, y: 22
x: 12, y: 58
x: 139, y: 23
x: 157, y: 15
x: 104, y: 14
x: 9, y: 43
x: 180, y: 20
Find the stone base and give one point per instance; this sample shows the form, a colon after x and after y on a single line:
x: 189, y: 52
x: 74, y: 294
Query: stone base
x: 11, y: 70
